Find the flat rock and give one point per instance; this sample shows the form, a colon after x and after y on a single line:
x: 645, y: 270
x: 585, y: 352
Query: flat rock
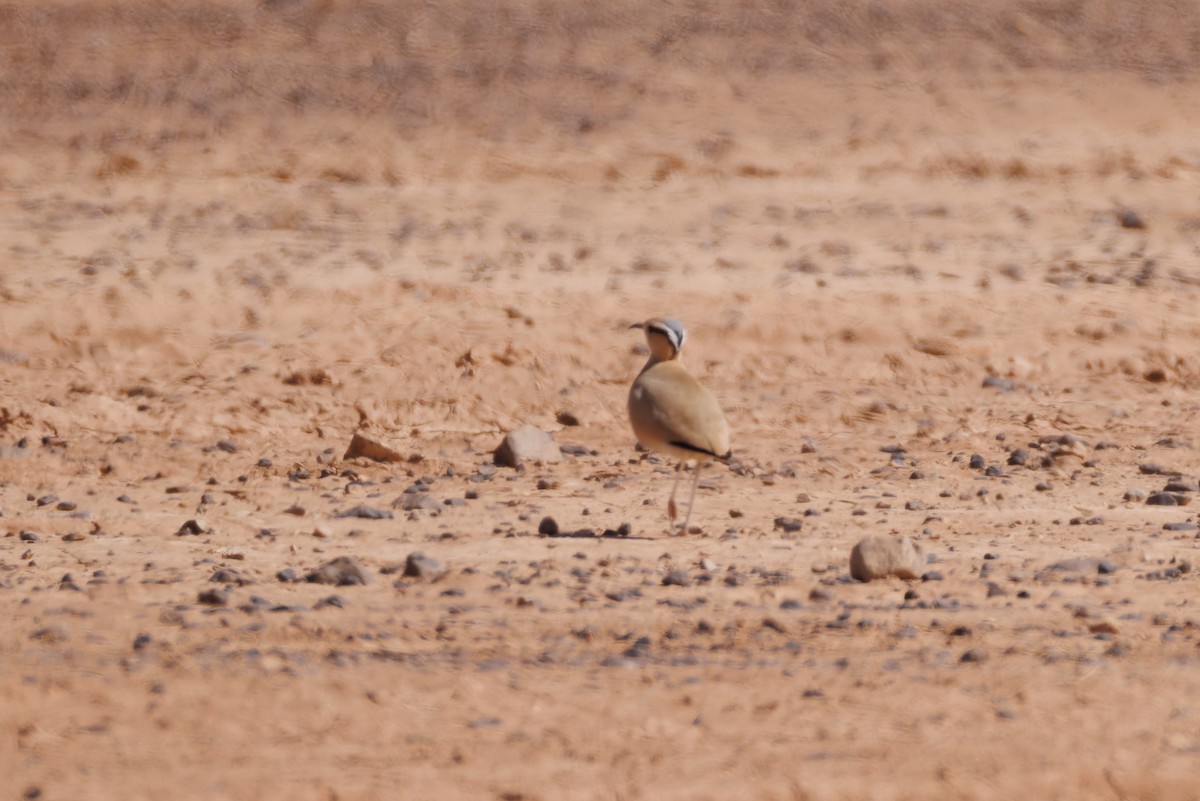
x: 1082, y: 564
x: 343, y: 571
x: 413, y: 501
x: 372, y: 446
x: 526, y: 444
x: 876, y: 556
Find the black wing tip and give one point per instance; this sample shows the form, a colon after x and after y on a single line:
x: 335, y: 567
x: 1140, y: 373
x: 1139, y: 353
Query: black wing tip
x: 687, y: 446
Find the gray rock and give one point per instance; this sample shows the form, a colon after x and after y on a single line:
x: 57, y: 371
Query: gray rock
x: 526, y: 444
x: 366, y: 513
x: 877, y: 556
x: 418, y: 565
x: 677, y: 578
x: 1083, y: 564
x: 343, y: 571
x: 413, y: 501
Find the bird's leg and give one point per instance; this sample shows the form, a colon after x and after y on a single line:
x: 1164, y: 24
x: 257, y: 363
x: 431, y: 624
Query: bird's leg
x: 672, y: 511
x: 692, y: 500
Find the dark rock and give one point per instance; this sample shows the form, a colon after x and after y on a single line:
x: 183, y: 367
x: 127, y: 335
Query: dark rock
x: 1161, y: 499
x: 366, y: 513
x: 343, y: 571
x: 977, y: 462
x: 287, y: 574
x: 973, y: 656
x: 195, y: 526
x: 28, y: 536
x: 677, y: 578
x: 213, y: 597
x: 1179, y: 526
x: 1018, y: 457
x: 418, y: 565
x: 788, y: 524
x: 548, y: 527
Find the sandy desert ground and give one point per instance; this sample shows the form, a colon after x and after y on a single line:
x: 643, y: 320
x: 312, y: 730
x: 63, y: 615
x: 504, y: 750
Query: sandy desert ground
x: 939, y: 262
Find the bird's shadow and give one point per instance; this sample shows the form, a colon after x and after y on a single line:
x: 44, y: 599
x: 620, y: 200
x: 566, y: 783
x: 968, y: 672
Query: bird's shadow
x: 590, y: 534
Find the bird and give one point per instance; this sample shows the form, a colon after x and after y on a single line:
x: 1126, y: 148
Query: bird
x: 673, y: 413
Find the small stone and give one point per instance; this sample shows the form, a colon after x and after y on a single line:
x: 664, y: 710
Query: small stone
x: 343, y: 571
x: 141, y: 641
x: 526, y: 444
x: 973, y: 656
x: 977, y: 462
x: 820, y: 594
x: 1134, y: 494
x: 708, y: 565
x: 74, y: 536
x: 195, y: 526
x: 322, y: 531
x: 1179, y: 484
x: 417, y: 501
x: 677, y: 578
x: 994, y: 590
x: 213, y: 597
x: 566, y: 418
x: 1104, y: 626
x: 1018, y: 457
x: 227, y: 445
x: 418, y: 565
x: 66, y: 506
x: 336, y: 601
x: 29, y: 536
x: 1128, y: 218
x: 1184, y: 526
x: 1161, y: 499
x: 366, y: 513
x: 371, y: 446
x: 287, y: 574
x: 788, y: 524
x: 877, y: 556
x: 915, y: 506
x: 548, y: 527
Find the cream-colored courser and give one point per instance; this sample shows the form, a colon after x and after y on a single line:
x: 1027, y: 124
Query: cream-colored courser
x: 671, y: 412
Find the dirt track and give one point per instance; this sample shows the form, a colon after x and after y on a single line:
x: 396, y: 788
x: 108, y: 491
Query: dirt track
x: 901, y: 237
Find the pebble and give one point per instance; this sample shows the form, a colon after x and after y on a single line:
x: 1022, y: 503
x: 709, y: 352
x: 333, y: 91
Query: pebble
x: 74, y: 536
x: 213, y: 597
x: 29, y: 536
x: 1185, y: 526
x: 788, y: 524
x: 342, y: 571
x: 548, y: 527
x: 996, y: 382
x: 366, y: 513
x: 332, y: 600
x: 1161, y: 499
x: 526, y: 444
x: 877, y: 556
x: 372, y: 447
x: 677, y: 578
x: 418, y: 565
x: 972, y: 656
x: 566, y: 418
x: 194, y: 526
x: 977, y: 462
x: 1179, y: 484
x: 1018, y: 457
x: 46, y: 500
x: 420, y: 501
x: 820, y: 594
x: 915, y: 506
x: 287, y: 574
